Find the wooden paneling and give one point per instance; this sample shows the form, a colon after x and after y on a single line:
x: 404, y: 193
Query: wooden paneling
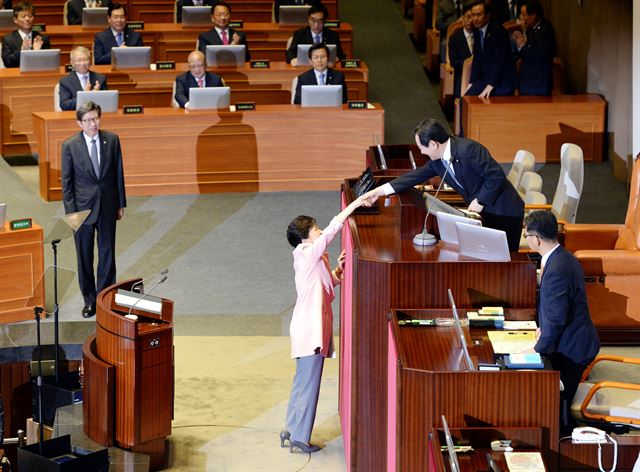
x: 206, y: 151
x: 21, y: 269
x: 98, y: 395
x: 22, y: 94
x: 538, y: 124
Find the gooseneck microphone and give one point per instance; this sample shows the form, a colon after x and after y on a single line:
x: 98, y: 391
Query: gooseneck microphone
x: 161, y: 281
x: 425, y: 238
x: 151, y: 277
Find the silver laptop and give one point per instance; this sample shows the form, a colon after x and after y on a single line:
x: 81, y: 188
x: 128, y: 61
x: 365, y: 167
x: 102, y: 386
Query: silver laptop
x: 434, y: 204
x: 94, y: 17
x: 226, y: 55
x: 40, y: 60
x: 321, y: 96
x: 483, y: 243
x: 131, y: 57
x: 447, y: 226
x: 6, y: 20
x: 196, y: 16
x: 303, y: 54
x: 107, y: 99
x: 203, y: 98
x: 293, y: 14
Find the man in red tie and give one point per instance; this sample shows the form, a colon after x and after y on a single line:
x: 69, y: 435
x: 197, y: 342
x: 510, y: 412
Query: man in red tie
x: 196, y: 77
x: 221, y: 34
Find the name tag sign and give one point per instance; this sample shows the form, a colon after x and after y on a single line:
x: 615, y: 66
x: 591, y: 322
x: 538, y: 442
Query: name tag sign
x: 260, y: 64
x: 39, y: 27
x: 135, y: 25
x: 165, y: 65
x: 24, y: 223
x: 357, y: 104
x: 236, y: 24
x: 332, y: 23
x: 132, y: 110
x: 351, y: 64
x: 245, y: 106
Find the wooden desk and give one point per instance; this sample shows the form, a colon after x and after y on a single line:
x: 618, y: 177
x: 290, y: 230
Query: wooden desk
x: 275, y: 148
x: 384, y: 271
x: 21, y: 94
x: 538, y: 124
x: 21, y: 269
x: 173, y: 42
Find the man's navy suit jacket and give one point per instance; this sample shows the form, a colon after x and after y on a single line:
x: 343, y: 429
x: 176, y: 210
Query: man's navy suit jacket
x: 458, y: 53
x: 304, y: 36
x: 212, y: 38
x: 70, y: 86
x: 563, y: 312
x: 493, y: 63
x: 105, y: 41
x: 12, y: 45
x: 186, y: 81
x: 536, y: 68
x: 334, y: 77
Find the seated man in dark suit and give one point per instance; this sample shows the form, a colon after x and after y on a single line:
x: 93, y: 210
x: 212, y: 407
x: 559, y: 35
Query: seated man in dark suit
x: 321, y: 74
x: 566, y: 333
x: 461, y: 48
x: 198, y: 76
x: 536, y: 49
x: 74, y: 9
x: 493, y: 71
x: 190, y: 3
x: 24, y: 37
x: 315, y: 33
x: 221, y: 34
x: 117, y: 35
x: 80, y: 78
x: 448, y: 12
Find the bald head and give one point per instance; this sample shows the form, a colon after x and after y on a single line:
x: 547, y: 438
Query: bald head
x: 195, y: 55
x: 196, y: 63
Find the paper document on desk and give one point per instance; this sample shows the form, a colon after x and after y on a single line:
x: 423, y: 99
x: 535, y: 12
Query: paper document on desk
x: 524, y: 461
x: 519, y: 325
x: 510, y: 342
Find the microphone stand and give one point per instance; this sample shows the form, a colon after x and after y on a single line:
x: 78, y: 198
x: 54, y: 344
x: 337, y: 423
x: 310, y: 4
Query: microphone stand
x: 56, y: 341
x: 425, y: 238
x: 37, y: 312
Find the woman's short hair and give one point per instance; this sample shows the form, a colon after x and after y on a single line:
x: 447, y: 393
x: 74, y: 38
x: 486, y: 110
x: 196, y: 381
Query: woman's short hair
x: 299, y: 229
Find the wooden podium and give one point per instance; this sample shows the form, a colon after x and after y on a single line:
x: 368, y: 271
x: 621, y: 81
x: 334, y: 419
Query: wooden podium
x: 129, y: 376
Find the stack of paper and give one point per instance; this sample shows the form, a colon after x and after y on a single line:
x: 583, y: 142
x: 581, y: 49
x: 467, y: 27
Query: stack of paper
x: 510, y: 342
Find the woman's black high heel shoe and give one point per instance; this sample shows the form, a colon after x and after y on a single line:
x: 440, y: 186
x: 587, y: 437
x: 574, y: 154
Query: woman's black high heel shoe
x: 307, y: 448
x: 285, y: 436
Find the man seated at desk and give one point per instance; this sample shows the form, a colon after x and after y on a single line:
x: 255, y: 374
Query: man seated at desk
x: 80, y: 78
x: 321, y: 74
x: 198, y: 76
x: 221, y: 34
x: 315, y: 33
x: 116, y: 35
x: 24, y: 37
x: 190, y: 3
x: 566, y: 333
x: 74, y: 9
x: 471, y: 172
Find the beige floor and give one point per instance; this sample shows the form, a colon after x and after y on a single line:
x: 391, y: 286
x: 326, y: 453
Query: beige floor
x: 230, y: 402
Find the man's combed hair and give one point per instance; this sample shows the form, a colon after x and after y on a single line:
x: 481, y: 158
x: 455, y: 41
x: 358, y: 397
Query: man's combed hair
x: 86, y: 108
x: 543, y: 223
x: 431, y: 130
x: 299, y: 229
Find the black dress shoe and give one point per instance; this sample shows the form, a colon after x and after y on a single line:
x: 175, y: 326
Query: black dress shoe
x: 307, y: 448
x: 88, y: 312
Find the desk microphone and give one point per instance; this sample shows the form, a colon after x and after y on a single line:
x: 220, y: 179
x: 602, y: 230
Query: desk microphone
x: 413, y: 161
x: 425, y: 238
x: 161, y: 281
x: 140, y: 282
x: 383, y: 161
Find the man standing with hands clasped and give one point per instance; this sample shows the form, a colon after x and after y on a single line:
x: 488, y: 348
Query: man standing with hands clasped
x: 93, y: 179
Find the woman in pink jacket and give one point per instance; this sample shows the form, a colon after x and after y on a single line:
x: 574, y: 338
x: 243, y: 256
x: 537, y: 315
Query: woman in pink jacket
x: 312, y: 322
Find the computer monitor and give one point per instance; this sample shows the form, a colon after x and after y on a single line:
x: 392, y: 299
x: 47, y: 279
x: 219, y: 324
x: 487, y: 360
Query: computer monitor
x: 131, y: 57
x: 6, y: 20
x: 94, y: 17
x: 293, y: 14
x: 226, y: 56
x: 321, y: 96
x: 447, y: 226
x: 459, y: 331
x: 196, y: 16
x: 483, y: 243
x: 451, y: 448
x: 303, y: 54
x: 434, y: 204
x: 203, y: 98
x: 107, y: 99
x: 39, y: 60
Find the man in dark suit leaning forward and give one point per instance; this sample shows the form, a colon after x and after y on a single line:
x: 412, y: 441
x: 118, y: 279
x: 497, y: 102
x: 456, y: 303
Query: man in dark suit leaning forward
x: 566, y: 333
x: 471, y: 172
x: 80, y: 78
x: 198, y: 76
x: 321, y: 74
x: 93, y: 179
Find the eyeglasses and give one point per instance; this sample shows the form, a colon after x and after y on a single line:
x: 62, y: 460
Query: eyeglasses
x: 88, y: 121
x: 530, y: 235
x: 316, y: 20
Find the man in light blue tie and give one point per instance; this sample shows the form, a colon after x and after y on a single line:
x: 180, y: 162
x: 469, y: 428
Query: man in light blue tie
x: 321, y: 74
x: 80, y: 78
x: 117, y: 35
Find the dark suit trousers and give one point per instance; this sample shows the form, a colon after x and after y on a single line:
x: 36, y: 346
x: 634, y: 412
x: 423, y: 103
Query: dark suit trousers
x: 512, y: 225
x: 85, y: 236
x: 570, y: 373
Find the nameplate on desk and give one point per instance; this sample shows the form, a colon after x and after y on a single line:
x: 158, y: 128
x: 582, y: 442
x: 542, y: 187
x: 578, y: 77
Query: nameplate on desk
x: 260, y: 64
x: 39, y: 27
x: 165, y: 65
x: 357, y: 104
x: 23, y: 223
x: 68, y: 68
x: 350, y: 64
x: 332, y: 23
x: 238, y: 24
x: 135, y: 25
x: 245, y: 106
x: 132, y: 110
